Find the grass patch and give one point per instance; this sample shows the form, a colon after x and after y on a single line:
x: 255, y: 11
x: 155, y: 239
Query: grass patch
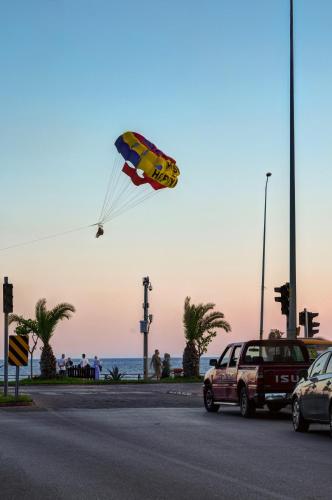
x: 24, y: 398
x: 58, y: 381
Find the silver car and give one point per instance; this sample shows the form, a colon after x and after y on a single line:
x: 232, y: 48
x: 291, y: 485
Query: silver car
x: 312, y: 397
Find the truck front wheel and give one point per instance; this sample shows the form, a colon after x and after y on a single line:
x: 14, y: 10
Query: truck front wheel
x: 209, y: 401
x: 247, y: 407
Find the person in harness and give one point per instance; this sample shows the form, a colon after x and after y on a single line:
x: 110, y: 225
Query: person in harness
x: 100, y: 231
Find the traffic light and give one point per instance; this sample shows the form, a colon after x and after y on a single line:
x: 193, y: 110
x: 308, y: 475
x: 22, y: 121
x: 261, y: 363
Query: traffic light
x: 7, y: 298
x: 302, y: 318
x: 312, y: 324
x: 284, y: 298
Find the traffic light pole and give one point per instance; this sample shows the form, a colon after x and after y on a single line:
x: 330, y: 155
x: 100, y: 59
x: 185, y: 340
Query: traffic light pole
x: 5, y: 352
x: 306, y: 328
x: 291, y: 329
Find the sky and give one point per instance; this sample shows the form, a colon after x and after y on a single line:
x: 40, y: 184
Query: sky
x: 209, y: 84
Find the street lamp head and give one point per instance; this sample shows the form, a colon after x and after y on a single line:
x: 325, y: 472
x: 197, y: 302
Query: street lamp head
x: 268, y: 174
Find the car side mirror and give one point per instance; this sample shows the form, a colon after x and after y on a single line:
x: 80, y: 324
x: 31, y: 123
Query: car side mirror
x: 303, y: 374
x: 213, y: 362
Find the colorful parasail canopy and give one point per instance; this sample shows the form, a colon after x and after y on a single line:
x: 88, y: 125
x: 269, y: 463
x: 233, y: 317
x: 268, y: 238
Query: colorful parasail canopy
x: 145, y: 166
x: 159, y: 170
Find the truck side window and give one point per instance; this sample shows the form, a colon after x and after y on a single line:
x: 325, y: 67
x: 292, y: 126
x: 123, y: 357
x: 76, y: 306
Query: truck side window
x: 235, y: 355
x: 223, y: 361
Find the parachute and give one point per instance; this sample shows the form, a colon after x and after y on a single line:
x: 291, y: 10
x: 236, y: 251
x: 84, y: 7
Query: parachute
x: 159, y: 169
x: 146, y: 171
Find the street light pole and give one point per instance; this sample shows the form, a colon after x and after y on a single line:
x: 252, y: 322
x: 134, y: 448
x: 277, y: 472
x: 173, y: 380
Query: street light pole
x: 291, y: 328
x: 263, y: 264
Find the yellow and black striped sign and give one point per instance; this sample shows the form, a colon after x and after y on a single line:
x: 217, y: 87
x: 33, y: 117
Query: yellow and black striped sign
x: 18, y: 350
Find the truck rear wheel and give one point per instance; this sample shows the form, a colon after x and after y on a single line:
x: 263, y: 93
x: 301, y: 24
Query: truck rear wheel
x: 247, y: 407
x: 209, y: 403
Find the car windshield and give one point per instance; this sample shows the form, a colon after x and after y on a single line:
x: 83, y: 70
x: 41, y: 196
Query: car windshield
x: 274, y: 353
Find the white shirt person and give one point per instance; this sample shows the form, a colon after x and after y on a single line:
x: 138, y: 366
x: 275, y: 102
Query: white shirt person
x: 62, y: 364
x: 84, y: 362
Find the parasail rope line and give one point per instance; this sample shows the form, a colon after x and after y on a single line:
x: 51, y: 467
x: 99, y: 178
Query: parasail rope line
x: 122, y: 191
x: 122, y: 184
x: 113, y: 188
x: 130, y: 200
x: 49, y: 237
x: 110, y: 188
x: 111, y: 175
x: 120, y: 211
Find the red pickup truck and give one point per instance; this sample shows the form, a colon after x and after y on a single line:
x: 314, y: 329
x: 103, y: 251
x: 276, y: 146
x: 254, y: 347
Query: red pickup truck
x: 255, y: 373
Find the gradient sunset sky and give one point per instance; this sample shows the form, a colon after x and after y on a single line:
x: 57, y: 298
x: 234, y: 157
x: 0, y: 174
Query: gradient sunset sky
x: 208, y: 82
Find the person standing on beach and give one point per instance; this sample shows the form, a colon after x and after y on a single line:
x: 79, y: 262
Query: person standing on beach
x: 62, y: 365
x: 156, y: 363
x: 97, y: 367
x: 69, y: 363
x: 84, y: 363
x: 166, y: 366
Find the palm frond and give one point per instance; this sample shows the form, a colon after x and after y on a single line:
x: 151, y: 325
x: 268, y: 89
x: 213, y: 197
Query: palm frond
x: 201, y: 322
x: 47, y: 319
x: 15, y: 318
x: 25, y: 326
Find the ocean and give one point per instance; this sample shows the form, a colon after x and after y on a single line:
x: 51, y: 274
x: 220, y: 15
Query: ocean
x: 131, y: 367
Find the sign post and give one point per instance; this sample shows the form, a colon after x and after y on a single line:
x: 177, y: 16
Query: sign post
x: 7, y: 308
x: 18, y: 355
x: 17, y: 381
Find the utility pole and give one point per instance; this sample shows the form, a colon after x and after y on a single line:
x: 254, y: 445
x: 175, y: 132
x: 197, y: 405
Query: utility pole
x: 261, y: 327
x: 304, y: 321
x: 145, y: 324
x: 291, y: 328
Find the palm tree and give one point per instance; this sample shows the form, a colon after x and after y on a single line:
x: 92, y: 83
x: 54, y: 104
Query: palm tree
x: 44, y: 326
x: 275, y: 334
x: 200, y: 323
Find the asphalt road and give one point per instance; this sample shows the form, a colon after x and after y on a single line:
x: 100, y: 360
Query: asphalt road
x: 117, y: 396
x: 174, y: 451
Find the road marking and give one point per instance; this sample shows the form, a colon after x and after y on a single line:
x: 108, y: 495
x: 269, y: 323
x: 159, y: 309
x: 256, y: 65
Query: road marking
x: 180, y: 393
